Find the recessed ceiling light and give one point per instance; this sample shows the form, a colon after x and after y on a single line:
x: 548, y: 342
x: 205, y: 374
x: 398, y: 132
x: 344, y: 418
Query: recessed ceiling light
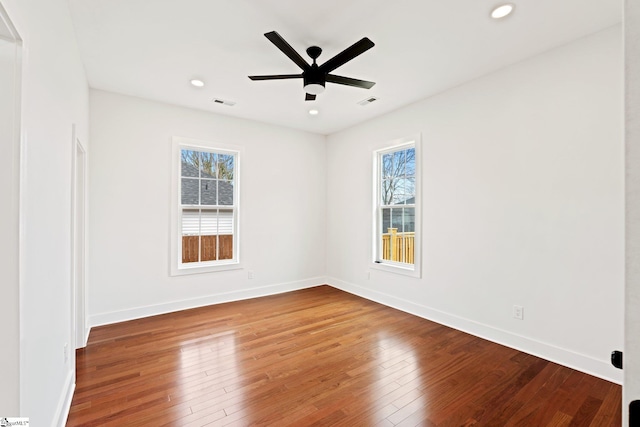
x: 197, y: 83
x: 314, y: 112
x: 502, y: 11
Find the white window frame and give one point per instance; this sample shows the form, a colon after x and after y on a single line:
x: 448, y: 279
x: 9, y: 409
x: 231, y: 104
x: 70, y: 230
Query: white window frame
x: 411, y: 270
x: 177, y: 267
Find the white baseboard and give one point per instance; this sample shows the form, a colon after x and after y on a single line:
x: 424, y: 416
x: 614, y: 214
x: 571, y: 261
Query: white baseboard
x: 580, y: 362
x: 565, y: 357
x: 64, y: 405
x: 152, y: 310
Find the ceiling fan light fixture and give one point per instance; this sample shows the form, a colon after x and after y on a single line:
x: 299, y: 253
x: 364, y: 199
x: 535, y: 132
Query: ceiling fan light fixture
x: 314, y: 88
x: 502, y: 11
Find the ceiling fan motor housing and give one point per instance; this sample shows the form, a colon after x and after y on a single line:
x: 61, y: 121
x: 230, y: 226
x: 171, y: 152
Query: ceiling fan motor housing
x: 314, y: 80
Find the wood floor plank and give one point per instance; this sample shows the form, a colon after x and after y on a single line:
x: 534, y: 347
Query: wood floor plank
x: 321, y: 357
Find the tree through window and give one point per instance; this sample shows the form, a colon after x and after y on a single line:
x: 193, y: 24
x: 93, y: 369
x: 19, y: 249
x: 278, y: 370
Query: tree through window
x: 207, y: 206
x: 396, y: 205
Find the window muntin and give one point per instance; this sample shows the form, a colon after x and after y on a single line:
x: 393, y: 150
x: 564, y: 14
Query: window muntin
x: 396, y: 210
x: 206, y: 214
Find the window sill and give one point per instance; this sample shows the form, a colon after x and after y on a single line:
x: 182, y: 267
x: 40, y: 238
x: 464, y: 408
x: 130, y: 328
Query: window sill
x: 197, y: 269
x: 397, y: 269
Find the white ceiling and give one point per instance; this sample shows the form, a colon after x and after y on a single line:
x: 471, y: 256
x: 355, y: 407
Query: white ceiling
x: 152, y: 48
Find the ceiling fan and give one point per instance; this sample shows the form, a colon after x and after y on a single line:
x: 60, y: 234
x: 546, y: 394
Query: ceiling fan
x: 316, y: 76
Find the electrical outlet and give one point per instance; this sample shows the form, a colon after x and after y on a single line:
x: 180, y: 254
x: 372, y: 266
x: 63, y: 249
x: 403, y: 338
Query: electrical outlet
x: 518, y: 312
x: 250, y: 274
x: 66, y: 352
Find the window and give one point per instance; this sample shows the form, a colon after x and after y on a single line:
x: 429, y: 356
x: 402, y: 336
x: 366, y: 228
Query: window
x: 396, y: 236
x: 205, y: 220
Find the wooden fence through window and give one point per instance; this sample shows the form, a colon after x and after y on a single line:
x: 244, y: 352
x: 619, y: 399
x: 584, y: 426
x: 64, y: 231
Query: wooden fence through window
x: 207, y: 247
x: 398, y: 246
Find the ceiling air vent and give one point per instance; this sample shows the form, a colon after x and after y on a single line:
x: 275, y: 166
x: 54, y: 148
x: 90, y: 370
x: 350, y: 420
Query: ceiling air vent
x: 223, y: 102
x: 368, y: 101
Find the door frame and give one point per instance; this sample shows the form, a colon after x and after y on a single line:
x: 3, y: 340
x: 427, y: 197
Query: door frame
x: 79, y: 330
x: 12, y: 271
x: 631, y: 383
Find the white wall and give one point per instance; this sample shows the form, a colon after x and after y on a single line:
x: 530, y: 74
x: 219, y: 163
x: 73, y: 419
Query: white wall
x: 282, y: 223
x: 54, y: 96
x: 9, y: 247
x: 631, y: 389
x: 523, y: 203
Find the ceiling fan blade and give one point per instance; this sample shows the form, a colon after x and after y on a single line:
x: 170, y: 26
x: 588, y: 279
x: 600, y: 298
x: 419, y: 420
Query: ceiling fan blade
x: 277, y: 77
x: 309, y: 97
x: 346, y: 55
x: 286, y: 48
x: 349, y: 81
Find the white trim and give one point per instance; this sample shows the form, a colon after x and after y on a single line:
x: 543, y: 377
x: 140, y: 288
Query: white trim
x: 18, y: 137
x: 204, y: 267
x: 22, y: 273
x: 176, y: 268
x: 562, y: 356
x: 631, y: 357
x: 414, y: 270
x: 78, y: 255
x: 72, y: 240
x: 152, y: 310
x: 596, y: 367
x: 64, y: 405
x: 86, y: 337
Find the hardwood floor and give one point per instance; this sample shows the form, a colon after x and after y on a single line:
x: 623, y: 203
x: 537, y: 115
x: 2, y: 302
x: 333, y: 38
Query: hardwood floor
x: 321, y: 357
